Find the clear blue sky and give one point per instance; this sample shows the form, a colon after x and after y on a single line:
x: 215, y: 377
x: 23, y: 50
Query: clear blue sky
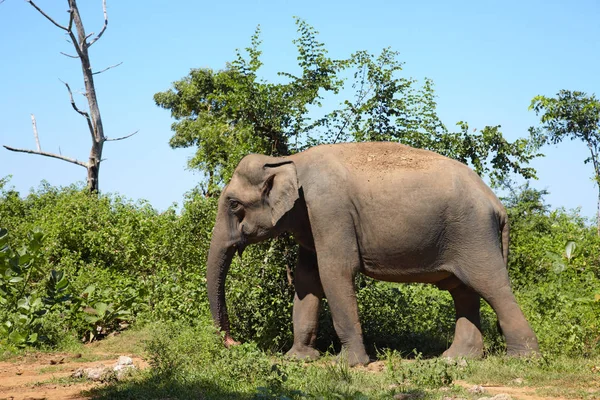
x: 487, y: 59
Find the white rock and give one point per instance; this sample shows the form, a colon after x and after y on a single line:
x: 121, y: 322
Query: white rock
x: 124, y: 360
x: 477, y: 389
x: 96, y: 374
x: 122, y: 371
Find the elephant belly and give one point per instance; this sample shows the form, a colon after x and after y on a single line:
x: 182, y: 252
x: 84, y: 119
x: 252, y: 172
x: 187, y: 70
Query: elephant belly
x: 407, y: 276
x: 405, y: 246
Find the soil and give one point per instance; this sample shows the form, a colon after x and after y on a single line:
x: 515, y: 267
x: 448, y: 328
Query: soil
x: 48, y: 376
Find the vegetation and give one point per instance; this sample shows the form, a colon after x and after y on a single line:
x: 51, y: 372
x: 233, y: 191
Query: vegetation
x: 227, y: 114
x: 78, y: 267
x: 573, y: 115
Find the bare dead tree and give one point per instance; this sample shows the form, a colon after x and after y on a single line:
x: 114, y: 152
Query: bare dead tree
x: 81, y: 42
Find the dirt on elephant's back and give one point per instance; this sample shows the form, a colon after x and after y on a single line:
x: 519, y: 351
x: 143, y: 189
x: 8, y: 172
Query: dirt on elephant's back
x: 383, y: 157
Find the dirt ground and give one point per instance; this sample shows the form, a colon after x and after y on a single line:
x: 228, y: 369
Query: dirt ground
x: 48, y: 376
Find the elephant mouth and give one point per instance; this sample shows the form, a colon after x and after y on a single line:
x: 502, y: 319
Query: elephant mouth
x: 241, y: 245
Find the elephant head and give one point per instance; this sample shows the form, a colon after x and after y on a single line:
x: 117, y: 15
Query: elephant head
x: 251, y: 209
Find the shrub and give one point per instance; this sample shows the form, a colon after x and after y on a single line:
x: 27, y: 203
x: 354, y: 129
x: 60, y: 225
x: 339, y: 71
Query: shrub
x: 126, y: 262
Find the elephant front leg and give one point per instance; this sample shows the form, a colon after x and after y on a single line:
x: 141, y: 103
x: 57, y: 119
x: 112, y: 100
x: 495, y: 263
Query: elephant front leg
x: 468, y: 341
x: 337, y: 274
x: 307, y: 301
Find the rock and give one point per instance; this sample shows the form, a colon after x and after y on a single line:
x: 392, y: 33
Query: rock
x: 517, y: 381
x: 476, y: 389
x: 123, y: 367
x: 97, y: 374
x: 124, y: 360
x: 121, y: 371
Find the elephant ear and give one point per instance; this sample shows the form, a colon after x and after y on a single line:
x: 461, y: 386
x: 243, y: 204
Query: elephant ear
x: 281, y: 187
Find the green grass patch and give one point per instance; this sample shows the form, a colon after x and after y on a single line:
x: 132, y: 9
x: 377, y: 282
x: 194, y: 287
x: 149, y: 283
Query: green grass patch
x: 190, y: 362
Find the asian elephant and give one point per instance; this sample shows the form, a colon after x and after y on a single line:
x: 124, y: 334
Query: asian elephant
x: 389, y: 211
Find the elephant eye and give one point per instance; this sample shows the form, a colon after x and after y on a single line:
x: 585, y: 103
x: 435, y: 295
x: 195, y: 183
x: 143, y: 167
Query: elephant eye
x: 234, y: 205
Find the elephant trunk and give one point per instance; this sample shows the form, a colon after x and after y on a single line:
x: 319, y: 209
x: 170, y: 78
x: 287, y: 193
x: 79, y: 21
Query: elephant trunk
x: 220, y: 255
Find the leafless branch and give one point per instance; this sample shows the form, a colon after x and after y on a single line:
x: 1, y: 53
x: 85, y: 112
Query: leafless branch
x: 85, y: 114
x: 105, y: 24
x: 89, y: 35
x: 75, y: 44
x: 35, y: 133
x: 121, y: 138
x: 47, y: 16
x: 107, y: 68
x: 71, y: 17
x: 46, y: 154
x: 68, y: 55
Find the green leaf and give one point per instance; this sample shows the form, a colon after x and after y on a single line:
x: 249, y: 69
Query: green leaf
x: 16, y: 279
x: 56, y: 275
x: 23, y: 303
x: 100, y: 308
x: 62, y: 284
x: 17, y: 337
x: 24, y: 257
x: 558, y: 267
x: 89, y: 290
x: 569, y: 249
x: 36, y: 303
x: 33, y: 338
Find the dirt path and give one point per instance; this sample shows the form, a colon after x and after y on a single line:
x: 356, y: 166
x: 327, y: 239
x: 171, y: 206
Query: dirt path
x: 48, y: 376
x: 515, y: 392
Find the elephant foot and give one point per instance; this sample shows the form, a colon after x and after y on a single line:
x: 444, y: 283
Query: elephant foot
x: 303, y: 353
x: 468, y: 341
x: 353, y: 358
x: 463, y: 351
x: 471, y: 347
x: 526, y: 349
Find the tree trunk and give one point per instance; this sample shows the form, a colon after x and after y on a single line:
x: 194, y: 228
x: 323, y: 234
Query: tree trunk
x: 98, y: 138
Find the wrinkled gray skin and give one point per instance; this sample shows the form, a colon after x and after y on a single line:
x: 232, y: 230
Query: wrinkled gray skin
x: 386, y: 210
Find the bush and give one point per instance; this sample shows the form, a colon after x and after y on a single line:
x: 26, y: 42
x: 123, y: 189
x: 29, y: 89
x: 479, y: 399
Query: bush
x: 126, y: 262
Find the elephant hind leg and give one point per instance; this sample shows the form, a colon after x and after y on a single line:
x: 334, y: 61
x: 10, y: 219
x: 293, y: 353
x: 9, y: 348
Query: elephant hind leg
x: 494, y: 286
x: 468, y: 341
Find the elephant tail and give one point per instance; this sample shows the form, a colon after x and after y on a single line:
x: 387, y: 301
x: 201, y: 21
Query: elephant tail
x: 505, y: 236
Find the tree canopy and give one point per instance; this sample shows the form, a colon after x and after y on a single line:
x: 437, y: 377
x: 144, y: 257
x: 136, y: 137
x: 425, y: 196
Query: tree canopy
x: 231, y: 112
x: 573, y: 115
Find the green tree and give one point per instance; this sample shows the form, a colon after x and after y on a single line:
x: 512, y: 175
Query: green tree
x: 230, y: 113
x: 573, y: 115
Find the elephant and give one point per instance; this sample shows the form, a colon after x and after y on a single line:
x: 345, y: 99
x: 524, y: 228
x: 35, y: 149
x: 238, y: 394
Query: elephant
x: 386, y: 210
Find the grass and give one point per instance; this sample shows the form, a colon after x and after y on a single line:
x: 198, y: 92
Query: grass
x: 190, y: 363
